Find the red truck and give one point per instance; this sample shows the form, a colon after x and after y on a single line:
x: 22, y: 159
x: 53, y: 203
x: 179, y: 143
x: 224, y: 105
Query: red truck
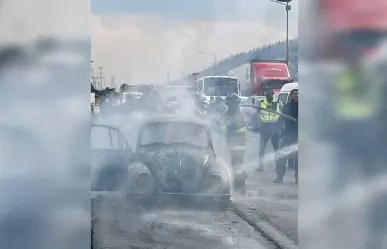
x: 258, y: 76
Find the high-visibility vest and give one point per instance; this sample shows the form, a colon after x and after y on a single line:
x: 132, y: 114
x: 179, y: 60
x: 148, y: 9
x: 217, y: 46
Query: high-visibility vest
x: 356, y: 99
x: 236, y: 139
x: 269, y: 117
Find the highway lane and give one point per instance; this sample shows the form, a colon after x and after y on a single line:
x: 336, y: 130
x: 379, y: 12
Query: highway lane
x: 275, y: 204
x: 174, y: 229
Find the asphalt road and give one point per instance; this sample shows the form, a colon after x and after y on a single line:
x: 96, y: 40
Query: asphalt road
x: 264, y: 201
x: 174, y: 229
x: 260, y: 204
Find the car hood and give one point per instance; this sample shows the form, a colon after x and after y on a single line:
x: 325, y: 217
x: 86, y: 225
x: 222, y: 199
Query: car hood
x: 177, y: 169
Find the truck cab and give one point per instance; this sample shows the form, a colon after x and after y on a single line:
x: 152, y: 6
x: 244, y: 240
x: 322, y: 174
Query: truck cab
x: 269, y: 76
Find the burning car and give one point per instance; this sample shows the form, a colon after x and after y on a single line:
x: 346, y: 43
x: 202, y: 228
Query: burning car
x: 175, y: 157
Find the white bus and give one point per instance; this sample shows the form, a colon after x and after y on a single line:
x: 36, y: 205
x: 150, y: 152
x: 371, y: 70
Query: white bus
x: 209, y: 86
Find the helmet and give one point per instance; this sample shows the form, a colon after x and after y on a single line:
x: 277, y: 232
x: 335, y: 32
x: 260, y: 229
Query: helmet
x: 232, y: 99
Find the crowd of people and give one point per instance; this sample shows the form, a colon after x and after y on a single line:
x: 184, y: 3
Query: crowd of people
x: 112, y: 101
x: 279, y: 129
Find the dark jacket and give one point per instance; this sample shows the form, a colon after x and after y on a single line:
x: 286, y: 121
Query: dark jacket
x: 291, y: 127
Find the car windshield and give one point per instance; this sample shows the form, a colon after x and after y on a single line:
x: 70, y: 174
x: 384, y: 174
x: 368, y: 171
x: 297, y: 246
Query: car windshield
x: 220, y: 86
x: 174, y: 132
x: 274, y: 84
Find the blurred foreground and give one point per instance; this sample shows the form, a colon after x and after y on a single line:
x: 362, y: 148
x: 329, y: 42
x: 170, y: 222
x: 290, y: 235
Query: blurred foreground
x: 343, y: 125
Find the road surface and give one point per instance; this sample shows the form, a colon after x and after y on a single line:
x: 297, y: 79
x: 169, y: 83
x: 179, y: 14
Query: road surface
x: 260, y: 204
x: 174, y: 229
x: 275, y: 204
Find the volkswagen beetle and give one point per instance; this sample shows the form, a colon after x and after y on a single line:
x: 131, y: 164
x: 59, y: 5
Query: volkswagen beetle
x: 175, y: 157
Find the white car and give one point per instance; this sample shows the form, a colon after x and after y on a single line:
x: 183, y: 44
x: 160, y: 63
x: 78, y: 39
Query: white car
x: 283, y: 96
x: 131, y: 95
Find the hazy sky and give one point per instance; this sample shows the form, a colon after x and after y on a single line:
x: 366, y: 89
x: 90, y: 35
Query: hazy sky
x: 139, y: 41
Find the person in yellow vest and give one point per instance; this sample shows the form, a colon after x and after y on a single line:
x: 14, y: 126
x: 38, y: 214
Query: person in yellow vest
x: 352, y: 111
x: 355, y: 126
x: 269, y: 127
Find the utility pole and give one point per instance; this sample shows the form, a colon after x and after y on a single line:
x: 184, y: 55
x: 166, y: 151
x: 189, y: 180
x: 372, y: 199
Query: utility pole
x: 288, y: 7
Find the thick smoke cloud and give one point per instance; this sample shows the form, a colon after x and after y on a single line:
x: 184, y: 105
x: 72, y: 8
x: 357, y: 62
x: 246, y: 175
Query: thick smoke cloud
x: 44, y: 124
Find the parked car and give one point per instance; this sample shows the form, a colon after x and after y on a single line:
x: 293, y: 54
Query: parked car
x: 283, y: 97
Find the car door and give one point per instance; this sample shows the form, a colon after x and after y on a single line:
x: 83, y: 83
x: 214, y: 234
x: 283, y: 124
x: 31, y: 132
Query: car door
x: 282, y: 99
x: 111, y: 155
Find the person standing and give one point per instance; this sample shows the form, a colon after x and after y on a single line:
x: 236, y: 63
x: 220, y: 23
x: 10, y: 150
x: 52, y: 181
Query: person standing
x: 289, y: 137
x: 269, y: 127
x: 235, y: 125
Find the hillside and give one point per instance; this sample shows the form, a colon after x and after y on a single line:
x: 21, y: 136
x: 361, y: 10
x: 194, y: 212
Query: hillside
x: 271, y: 52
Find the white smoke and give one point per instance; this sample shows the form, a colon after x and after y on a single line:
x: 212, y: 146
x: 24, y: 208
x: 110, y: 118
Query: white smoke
x: 44, y: 124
